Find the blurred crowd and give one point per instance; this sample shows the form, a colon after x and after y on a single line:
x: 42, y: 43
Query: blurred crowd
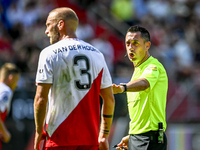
x: 174, y: 26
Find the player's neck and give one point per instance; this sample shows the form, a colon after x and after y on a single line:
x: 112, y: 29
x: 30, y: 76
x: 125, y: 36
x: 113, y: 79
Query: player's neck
x: 70, y: 35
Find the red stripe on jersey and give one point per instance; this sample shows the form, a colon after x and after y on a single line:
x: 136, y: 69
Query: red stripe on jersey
x: 3, y: 115
x: 81, y: 127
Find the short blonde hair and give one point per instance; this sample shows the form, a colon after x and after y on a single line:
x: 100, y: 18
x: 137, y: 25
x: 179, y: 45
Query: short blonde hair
x: 7, y: 69
x: 65, y: 13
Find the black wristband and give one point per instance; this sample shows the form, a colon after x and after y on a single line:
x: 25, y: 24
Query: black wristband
x: 125, y: 87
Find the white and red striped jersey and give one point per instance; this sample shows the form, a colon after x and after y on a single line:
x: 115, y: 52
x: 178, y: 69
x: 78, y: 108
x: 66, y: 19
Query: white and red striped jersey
x: 6, y: 95
x: 77, y: 72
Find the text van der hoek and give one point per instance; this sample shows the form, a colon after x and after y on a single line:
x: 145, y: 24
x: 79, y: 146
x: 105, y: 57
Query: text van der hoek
x: 74, y: 47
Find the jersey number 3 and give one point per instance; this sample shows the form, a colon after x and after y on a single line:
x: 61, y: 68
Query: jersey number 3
x: 83, y: 72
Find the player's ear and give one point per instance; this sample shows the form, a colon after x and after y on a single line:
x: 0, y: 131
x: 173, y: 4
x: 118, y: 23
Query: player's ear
x: 61, y: 24
x: 10, y: 77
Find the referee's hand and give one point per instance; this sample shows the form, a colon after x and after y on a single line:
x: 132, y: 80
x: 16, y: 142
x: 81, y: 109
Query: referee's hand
x: 124, y: 143
x: 117, y: 89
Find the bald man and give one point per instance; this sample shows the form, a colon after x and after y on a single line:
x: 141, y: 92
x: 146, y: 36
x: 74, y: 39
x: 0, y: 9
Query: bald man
x: 70, y: 77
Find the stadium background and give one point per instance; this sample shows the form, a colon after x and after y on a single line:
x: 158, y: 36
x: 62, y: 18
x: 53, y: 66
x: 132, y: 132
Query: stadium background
x: 174, y: 26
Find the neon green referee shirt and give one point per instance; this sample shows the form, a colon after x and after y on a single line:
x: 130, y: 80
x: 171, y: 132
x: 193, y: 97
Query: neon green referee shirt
x: 147, y: 108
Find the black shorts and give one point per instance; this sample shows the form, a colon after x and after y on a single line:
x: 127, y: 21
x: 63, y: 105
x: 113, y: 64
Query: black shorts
x: 147, y: 141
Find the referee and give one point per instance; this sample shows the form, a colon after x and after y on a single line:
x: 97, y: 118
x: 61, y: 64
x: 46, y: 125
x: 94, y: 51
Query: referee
x: 146, y: 95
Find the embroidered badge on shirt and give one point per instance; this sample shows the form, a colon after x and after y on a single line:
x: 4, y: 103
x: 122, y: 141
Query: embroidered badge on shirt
x: 152, y: 68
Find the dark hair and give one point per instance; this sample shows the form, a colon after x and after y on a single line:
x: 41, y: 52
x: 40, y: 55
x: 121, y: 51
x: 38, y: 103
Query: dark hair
x: 144, y: 33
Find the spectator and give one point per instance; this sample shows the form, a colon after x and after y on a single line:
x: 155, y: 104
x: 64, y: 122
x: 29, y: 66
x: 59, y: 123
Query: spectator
x: 9, y: 76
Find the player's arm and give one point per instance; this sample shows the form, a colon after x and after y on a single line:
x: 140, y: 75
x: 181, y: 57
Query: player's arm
x: 132, y: 86
x: 106, y: 117
x: 40, y: 108
x: 4, y: 133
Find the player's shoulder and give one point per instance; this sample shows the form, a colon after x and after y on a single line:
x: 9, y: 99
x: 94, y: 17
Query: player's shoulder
x: 4, y: 87
x: 5, y: 91
x: 90, y: 45
x: 50, y: 50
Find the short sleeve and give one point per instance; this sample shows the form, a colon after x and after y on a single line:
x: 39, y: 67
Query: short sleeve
x: 4, y: 100
x: 45, y: 69
x: 151, y: 74
x: 106, y: 78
